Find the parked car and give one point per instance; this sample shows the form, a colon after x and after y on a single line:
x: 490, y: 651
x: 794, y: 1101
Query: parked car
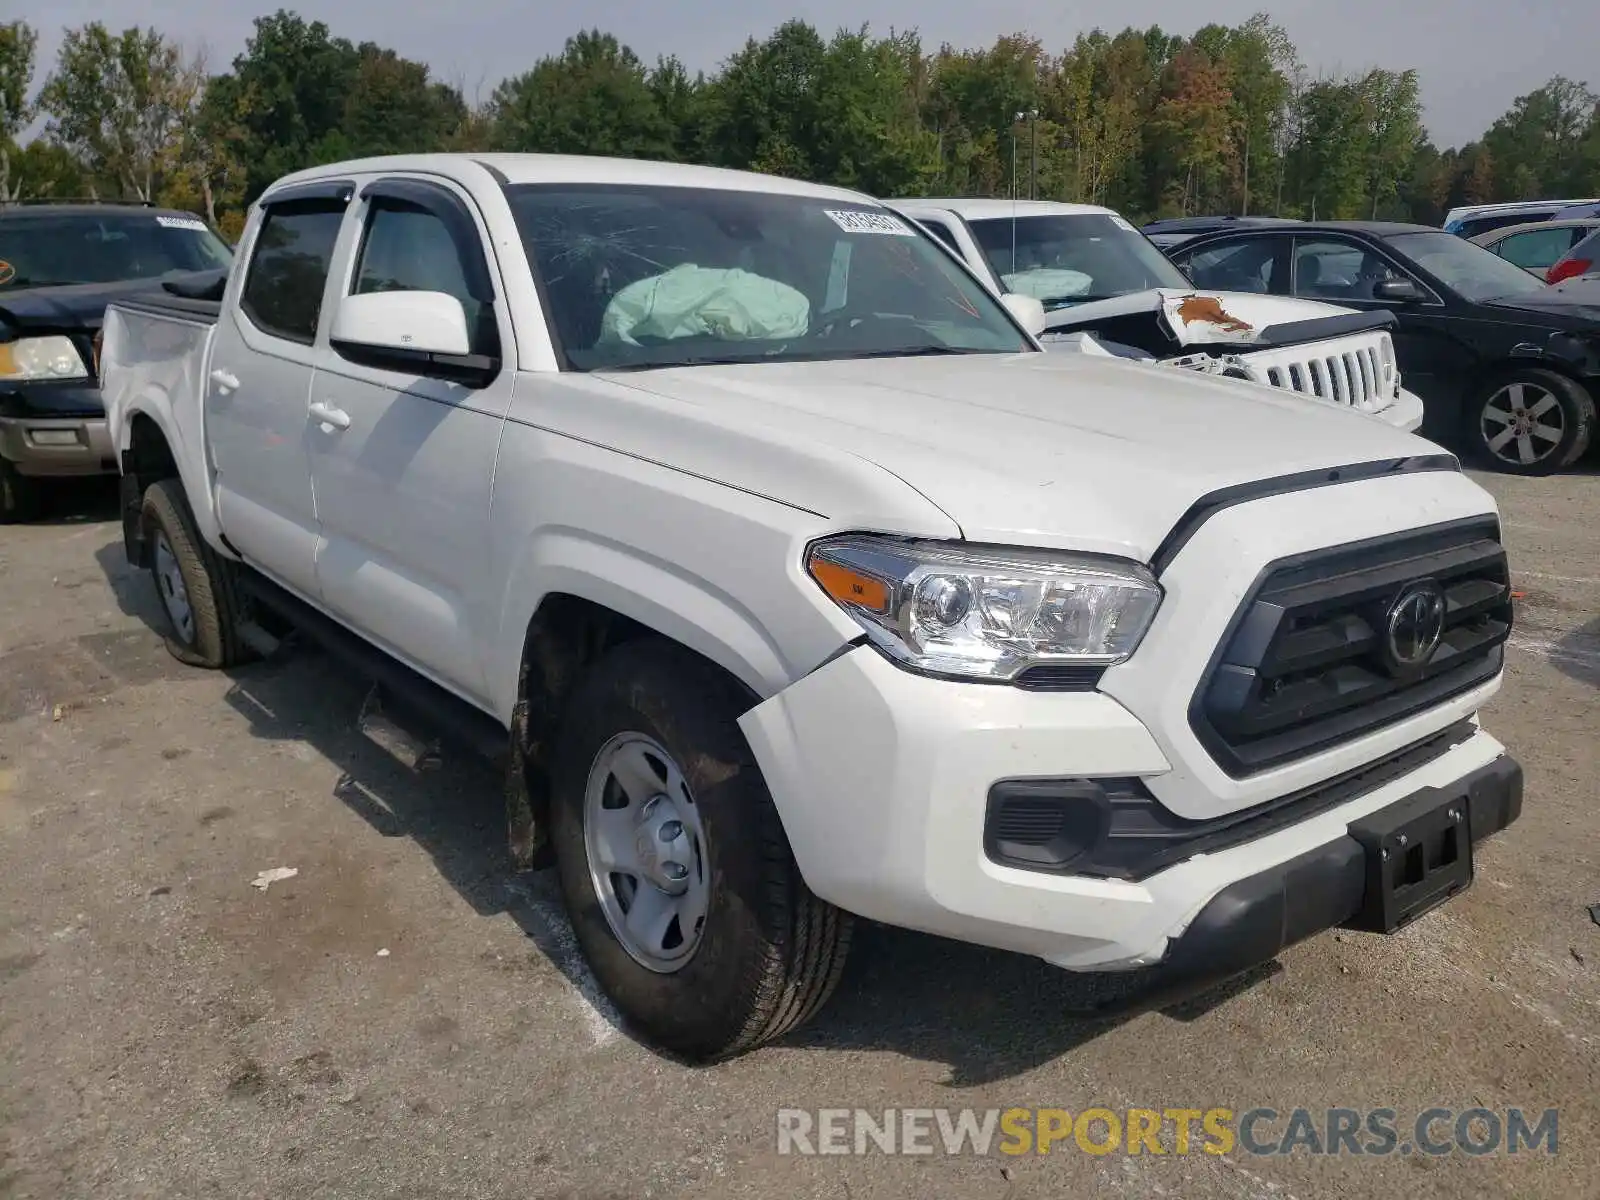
x: 1502, y: 361
x: 791, y: 581
x: 1470, y: 220
x: 1105, y: 287
x: 1580, y: 261
x: 1538, y: 246
x: 59, y: 265
x: 1175, y: 230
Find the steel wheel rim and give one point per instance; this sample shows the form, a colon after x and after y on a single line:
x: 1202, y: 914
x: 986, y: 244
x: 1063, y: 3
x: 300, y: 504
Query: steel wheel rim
x: 174, y: 593
x: 1523, y: 424
x: 646, y: 852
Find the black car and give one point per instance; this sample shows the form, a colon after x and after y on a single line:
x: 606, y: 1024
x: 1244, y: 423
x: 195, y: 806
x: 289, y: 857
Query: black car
x: 1174, y: 231
x: 1506, y: 364
x: 60, y: 264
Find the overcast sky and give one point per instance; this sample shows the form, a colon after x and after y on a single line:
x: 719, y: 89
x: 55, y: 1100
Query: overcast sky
x: 1474, y: 56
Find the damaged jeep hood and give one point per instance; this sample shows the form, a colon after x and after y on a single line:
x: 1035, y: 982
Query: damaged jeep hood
x: 1199, y: 318
x: 1056, y: 451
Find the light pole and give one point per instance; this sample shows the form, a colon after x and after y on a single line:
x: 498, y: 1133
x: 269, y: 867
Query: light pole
x: 1032, y: 117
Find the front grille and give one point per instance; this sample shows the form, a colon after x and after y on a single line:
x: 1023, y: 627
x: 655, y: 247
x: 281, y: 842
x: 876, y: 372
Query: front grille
x: 1356, y: 374
x: 1309, y: 661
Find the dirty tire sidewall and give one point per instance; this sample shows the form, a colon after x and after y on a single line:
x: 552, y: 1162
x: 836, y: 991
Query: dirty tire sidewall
x: 20, y: 498
x: 1577, y: 411
x: 771, y: 952
x: 207, y: 579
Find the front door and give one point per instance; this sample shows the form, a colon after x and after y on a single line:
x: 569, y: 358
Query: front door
x: 1428, y: 341
x: 257, y: 392
x: 403, y: 474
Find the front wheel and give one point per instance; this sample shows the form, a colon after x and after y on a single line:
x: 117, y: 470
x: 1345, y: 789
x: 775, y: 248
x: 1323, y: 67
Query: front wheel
x: 1531, y: 422
x: 678, y: 879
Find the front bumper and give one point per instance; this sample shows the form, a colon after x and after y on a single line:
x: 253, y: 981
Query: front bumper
x: 1405, y: 413
x: 58, y: 446
x: 880, y: 777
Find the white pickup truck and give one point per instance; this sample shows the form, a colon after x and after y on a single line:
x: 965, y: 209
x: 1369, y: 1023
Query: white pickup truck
x: 791, y: 581
x: 1106, y: 288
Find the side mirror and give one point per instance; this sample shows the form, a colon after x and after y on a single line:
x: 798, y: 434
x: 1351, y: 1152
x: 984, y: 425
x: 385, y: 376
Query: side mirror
x: 1400, y: 291
x: 411, y: 322
x: 1028, y: 311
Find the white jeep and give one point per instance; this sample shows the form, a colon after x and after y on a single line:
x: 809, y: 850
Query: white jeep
x: 1107, y: 289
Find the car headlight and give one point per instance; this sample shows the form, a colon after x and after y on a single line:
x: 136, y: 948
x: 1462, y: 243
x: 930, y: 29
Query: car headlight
x: 985, y: 612
x: 41, y: 358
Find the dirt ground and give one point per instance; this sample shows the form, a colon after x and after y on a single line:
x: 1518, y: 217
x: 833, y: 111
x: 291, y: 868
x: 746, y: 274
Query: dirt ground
x: 405, y: 1018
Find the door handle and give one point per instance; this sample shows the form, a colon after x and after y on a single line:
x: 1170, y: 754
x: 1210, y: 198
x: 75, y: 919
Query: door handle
x: 226, y: 381
x: 329, y: 416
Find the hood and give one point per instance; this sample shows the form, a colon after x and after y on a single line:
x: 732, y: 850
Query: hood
x: 1196, y: 317
x: 1062, y: 451
x: 1576, y: 301
x: 76, y: 308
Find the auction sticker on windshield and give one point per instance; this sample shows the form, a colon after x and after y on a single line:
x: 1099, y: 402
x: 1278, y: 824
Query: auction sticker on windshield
x: 182, y: 223
x: 855, y: 220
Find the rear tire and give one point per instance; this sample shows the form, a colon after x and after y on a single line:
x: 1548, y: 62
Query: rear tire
x: 195, y: 586
x: 1530, y: 422
x: 767, y: 953
x: 21, y: 497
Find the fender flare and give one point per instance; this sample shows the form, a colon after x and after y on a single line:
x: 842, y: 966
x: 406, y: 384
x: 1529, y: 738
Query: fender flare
x: 652, y: 591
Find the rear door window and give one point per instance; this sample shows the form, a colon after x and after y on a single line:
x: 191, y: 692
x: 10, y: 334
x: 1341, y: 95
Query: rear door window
x: 282, y: 294
x: 1537, y: 248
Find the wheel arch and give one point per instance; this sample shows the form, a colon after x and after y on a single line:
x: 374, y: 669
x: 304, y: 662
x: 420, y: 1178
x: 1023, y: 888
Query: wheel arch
x: 579, y: 618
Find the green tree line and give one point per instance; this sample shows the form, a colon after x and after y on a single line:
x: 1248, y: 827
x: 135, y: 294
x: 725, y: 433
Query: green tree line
x: 1227, y: 120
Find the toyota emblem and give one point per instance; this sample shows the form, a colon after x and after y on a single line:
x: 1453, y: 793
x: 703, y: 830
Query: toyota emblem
x: 1414, y: 626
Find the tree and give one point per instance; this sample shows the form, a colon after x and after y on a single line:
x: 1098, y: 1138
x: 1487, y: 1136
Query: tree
x: 1259, y: 58
x: 594, y: 98
x: 120, y: 103
x: 1395, y: 113
x: 1191, y: 127
x: 283, y: 106
x: 18, y: 42
x: 1538, y: 146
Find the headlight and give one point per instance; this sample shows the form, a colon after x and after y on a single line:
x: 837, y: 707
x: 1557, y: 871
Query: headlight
x: 986, y: 612
x: 41, y: 358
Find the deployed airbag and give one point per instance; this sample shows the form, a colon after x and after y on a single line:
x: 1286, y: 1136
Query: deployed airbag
x: 691, y: 301
x: 1048, y: 283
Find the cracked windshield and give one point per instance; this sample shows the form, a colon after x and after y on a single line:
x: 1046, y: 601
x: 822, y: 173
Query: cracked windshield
x: 640, y: 277
x: 1066, y: 260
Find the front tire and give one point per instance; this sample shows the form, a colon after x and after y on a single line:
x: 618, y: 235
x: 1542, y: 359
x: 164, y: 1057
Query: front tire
x: 21, y: 498
x: 196, y: 587
x: 678, y: 878
x: 1531, y: 422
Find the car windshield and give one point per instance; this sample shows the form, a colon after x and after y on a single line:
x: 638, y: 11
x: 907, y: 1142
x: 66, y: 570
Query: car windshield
x: 45, y: 250
x: 1064, y: 260
x: 645, y: 276
x: 1466, y: 267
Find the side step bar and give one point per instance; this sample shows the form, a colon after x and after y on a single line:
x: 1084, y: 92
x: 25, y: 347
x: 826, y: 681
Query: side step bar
x: 404, y: 692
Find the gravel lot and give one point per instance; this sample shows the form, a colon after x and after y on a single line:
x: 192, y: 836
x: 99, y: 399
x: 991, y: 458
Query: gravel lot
x: 405, y: 1018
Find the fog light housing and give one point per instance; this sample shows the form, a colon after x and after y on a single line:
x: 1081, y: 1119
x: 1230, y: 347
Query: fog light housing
x: 53, y: 437
x: 1044, y: 824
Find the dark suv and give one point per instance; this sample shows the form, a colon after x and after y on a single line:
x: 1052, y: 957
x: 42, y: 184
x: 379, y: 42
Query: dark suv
x: 59, y: 266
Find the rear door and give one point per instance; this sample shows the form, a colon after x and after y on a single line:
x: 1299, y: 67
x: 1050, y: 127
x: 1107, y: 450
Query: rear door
x: 260, y: 377
x: 403, y: 481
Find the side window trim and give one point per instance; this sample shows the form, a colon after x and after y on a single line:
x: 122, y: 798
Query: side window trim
x: 323, y: 199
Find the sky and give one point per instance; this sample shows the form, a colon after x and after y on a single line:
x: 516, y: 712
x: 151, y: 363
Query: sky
x: 1474, y: 56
